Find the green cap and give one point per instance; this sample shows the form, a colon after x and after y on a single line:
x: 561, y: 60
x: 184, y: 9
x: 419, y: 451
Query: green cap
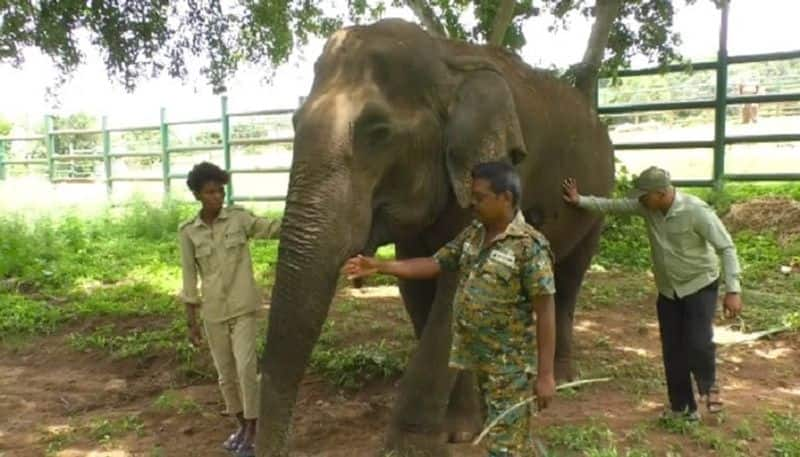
x: 653, y: 178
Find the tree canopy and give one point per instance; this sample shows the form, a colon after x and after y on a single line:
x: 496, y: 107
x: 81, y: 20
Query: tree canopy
x: 146, y: 38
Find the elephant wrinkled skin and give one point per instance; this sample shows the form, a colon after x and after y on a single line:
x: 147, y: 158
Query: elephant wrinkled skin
x: 383, y: 149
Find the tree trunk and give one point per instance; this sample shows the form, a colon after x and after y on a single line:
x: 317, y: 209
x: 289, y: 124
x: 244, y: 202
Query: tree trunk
x: 502, y: 20
x: 589, y: 68
x: 427, y: 17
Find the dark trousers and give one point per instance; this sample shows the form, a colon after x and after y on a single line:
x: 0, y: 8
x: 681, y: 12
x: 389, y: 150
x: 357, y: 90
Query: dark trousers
x: 686, y: 326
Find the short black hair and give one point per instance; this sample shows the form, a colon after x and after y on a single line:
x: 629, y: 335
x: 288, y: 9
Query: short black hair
x: 502, y: 177
x: 204, y: 172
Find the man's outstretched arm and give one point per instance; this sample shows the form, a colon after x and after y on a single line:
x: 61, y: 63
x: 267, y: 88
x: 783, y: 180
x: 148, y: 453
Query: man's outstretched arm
x: 569, y: 189
x: 416, y: 268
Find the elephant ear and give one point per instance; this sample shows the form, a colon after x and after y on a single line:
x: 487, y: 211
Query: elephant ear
x: 482, y: 126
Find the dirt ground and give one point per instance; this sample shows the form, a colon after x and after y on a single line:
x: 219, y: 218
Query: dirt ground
x: 46, y: 387
x: 766, y: 214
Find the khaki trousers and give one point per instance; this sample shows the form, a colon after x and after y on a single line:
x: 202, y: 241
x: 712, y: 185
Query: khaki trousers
x: 233, y: 348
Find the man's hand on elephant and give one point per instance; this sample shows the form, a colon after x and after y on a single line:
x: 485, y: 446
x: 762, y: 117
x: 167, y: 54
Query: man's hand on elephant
x: 545, y: 391
x: 570, y: 190
x: 732, y: 305
x: 360, y: 266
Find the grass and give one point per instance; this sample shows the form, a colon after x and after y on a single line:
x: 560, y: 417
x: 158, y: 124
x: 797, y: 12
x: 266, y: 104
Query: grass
x: 173, y: 402
x: 61, y: 270
x: 785, y: 429
x: 589, y: 440
x: 108, y: 282
x: 102, y: 431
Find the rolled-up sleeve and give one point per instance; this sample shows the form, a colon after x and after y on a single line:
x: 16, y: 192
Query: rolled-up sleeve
x: 708, y: 225
x: 188, y: 270
x: 610, y: 205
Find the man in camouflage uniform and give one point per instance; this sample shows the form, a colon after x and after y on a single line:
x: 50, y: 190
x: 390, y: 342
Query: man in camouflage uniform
x: 214, y: 246
x: 505, y: 276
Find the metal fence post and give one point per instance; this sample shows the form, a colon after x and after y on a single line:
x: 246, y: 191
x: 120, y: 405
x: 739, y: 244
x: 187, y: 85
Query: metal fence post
x: 50, y: 145
x: 720, y: 113
x: 165, y: 152
x: 107, y: 156
x: 2, y: 160
x: 226, y: 148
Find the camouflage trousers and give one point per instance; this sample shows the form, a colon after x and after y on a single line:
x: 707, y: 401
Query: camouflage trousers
x: 511, y: 437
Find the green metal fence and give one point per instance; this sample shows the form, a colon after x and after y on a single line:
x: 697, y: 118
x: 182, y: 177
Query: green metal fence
x: 166, y: 153
x: 719, y: 103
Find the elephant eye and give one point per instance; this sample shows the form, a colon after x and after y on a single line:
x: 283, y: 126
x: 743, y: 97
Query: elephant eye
x: 379, y: 133
x: 373, y: 128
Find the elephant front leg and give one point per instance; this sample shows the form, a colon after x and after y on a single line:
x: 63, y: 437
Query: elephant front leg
x: 464, y: 418
x: 417, y: 423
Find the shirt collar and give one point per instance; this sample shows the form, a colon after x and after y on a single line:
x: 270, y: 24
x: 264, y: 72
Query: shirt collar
x: 678, y: 205
x: 198, y: 221
x: 516, y: 228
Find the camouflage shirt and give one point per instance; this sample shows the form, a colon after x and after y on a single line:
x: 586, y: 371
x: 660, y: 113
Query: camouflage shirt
x: 492, y: 308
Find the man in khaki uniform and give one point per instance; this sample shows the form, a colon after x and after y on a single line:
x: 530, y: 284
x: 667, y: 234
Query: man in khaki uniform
x: 214, y: 246
x: 686, y: 237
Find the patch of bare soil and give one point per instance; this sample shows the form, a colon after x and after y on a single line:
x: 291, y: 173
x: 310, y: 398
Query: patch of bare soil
x: 781, y: 215
x: 756, y: 378
x: 48, y: 386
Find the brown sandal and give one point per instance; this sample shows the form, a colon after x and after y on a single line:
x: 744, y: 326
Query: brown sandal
x: 713, y: 402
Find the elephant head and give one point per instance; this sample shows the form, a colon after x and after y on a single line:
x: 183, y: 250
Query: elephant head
x: 384, y: 143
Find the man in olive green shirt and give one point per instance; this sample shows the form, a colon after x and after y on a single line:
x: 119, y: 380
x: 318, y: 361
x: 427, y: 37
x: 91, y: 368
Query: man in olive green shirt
x: 214, y: 246
x: 686, y: 237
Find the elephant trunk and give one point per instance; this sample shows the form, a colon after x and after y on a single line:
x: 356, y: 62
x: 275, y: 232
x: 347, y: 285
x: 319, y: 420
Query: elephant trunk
x: 316, y: 237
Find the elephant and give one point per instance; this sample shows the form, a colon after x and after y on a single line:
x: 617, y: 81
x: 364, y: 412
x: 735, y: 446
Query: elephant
x: 383, y: 149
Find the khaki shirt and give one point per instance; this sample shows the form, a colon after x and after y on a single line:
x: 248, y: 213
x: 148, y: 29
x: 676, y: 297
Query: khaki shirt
x: 221, y: 256
x: 492, y: 307
x: 684, y: 243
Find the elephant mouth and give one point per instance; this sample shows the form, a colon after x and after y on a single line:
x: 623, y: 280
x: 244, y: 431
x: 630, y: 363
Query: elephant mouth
x: 379, y: 234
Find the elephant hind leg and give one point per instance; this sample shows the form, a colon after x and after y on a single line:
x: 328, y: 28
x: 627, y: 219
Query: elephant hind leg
x: 569, y: 273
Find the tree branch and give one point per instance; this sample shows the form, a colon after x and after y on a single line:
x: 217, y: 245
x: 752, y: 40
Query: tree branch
x: 589, y: 68
x: 427, y: 17
x: 503, y: 18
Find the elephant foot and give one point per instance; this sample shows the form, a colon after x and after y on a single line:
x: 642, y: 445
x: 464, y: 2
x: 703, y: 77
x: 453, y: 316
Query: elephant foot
x: 407, y: 444
x: 461, y: 437
x: 564, y: 371
x: 462, y: 429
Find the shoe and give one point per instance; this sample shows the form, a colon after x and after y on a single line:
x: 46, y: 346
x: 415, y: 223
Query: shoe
x: 688, y: 416
x: 232, y: 443
x: 245, y: 450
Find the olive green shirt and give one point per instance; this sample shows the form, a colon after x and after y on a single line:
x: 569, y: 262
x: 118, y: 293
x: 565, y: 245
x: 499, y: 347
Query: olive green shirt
x: 219, y: 253
x: 684, y: 243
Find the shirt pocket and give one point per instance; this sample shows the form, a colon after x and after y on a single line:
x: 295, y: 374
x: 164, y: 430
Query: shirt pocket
x: 683, y: 238
x: 499, y: 281
x: 234, y: 241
